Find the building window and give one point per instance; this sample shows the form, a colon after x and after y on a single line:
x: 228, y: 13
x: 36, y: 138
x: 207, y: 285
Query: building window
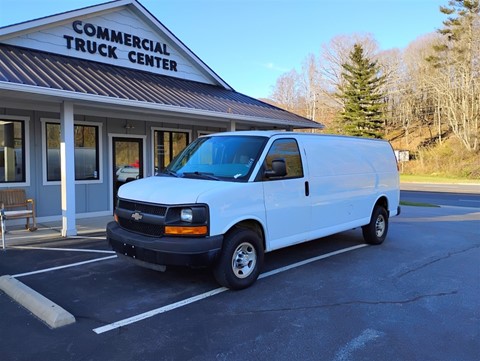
x: 167, y: 145
x: 86, y: 152
x: 12, y: 151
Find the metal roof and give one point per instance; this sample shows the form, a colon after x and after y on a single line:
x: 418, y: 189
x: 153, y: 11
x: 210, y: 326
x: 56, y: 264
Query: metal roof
x: 106, y: 83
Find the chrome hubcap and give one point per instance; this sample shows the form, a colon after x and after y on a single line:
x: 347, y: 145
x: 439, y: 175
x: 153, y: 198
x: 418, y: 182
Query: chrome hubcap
x: 380, y: 226
x: 244, y: 260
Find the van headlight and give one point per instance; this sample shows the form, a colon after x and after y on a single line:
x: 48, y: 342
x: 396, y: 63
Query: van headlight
x: 186, y: 215
x: 194, y: 214
x: 187, y: 220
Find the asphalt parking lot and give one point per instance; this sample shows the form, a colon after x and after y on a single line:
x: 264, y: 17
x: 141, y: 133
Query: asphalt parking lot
x: 413, y: 298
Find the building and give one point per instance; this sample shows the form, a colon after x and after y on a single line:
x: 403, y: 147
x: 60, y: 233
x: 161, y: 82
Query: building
x: 95, y: 97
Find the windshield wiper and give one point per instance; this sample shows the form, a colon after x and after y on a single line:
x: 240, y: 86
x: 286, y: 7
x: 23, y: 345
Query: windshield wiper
x: 201, y: 175
x: 169, y: 172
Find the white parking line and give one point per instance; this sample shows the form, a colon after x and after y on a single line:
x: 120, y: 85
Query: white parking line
x: 310, y: 260
x: 62, y: 267
x: 157, y: 311
x: 187, y: 301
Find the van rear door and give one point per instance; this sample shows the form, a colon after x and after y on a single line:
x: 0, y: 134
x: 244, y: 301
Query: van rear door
x: 287, y: 201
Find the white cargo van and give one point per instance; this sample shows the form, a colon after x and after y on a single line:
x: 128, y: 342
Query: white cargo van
x: 230, y: 197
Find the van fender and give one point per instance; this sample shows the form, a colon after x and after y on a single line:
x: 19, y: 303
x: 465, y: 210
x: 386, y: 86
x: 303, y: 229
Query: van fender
x: 381, y: 200
x: 251, y: 222
x: 384, y: 200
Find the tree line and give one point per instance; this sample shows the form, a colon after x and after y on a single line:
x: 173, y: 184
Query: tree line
x: 433, y: 84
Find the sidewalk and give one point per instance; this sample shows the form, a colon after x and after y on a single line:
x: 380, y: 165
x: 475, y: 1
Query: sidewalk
x: 50, y: 231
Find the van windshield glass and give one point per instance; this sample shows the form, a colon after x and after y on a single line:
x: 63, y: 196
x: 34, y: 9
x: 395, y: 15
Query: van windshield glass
x: 218, y: 158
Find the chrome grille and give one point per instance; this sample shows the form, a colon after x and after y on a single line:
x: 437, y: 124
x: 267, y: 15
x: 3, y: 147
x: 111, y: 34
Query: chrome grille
x: 143, y: 207
x: 141, y: 225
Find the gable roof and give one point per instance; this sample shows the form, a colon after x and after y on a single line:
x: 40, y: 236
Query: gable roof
x: 15, y: 34
x: 58, y: 76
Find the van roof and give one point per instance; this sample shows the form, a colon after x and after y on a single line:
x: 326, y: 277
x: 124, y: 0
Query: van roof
x: 252, y: 133
x: 271, y: 133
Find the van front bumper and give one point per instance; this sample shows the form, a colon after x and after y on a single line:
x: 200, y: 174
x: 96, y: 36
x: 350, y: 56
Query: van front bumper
x: 168, y: 251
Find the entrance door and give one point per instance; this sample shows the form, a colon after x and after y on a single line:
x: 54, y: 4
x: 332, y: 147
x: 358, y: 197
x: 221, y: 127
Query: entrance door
x: 127, y: 156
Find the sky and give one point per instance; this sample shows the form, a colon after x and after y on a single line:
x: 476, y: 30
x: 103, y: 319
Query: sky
x: 251, y: 43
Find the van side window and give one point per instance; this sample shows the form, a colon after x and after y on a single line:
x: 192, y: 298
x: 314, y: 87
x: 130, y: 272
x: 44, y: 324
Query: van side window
x: 286, y: 149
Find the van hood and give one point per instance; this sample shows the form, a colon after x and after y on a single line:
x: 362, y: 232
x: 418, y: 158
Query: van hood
x: 167, y: 190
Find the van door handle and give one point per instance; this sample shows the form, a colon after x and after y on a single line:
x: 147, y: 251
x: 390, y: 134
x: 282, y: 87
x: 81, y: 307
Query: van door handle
x: 307, y: 189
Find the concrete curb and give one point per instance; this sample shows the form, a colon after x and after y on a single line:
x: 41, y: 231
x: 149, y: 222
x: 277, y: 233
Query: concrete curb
x: 47, y: 311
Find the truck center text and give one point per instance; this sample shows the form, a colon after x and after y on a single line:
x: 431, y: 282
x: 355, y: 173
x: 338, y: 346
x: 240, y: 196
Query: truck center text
x: 118, y: 37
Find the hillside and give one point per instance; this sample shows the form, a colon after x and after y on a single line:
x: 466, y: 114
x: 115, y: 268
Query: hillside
x: 429, y: 156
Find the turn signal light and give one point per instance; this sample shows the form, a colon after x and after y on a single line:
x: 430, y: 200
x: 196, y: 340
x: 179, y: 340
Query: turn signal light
x: 184, y: 231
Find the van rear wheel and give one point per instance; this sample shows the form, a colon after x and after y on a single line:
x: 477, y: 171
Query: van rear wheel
x: 240, y: 260
x: 376, y: 231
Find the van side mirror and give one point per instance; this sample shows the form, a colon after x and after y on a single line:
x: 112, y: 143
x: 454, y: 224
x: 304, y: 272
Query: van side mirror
x: 279, y: 169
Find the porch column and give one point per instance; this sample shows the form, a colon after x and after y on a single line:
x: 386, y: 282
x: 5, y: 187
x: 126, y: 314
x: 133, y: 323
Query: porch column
x: 67, y: 169
x: 233, y: 126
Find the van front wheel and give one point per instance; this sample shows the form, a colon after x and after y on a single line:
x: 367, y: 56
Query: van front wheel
x: 240, y: 260
x: 376, y: 231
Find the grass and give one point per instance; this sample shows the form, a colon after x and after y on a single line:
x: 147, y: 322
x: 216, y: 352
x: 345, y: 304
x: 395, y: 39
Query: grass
x: 416, y: 204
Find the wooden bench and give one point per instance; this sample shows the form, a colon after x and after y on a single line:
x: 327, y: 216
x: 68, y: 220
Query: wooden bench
x: 14, y: 204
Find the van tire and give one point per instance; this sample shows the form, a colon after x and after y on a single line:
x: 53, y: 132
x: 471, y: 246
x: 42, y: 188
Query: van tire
x: 376, y: 231
x: 240, y: 260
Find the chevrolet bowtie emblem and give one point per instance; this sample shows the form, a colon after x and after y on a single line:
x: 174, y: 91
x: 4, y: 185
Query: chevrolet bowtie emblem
x: 137, y: 216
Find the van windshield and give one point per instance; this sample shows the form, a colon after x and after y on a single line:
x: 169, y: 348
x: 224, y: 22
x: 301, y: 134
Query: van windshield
x: 230, y: 158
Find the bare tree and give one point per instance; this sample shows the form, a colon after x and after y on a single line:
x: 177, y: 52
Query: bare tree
x: 390, y: 62
x: 417, y: 71
x: 309, y: 85
x: 285, y: 91
x: 456, y: 81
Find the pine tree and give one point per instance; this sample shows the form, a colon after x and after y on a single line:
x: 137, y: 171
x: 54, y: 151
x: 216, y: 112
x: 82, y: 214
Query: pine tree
x: 361, y: 95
